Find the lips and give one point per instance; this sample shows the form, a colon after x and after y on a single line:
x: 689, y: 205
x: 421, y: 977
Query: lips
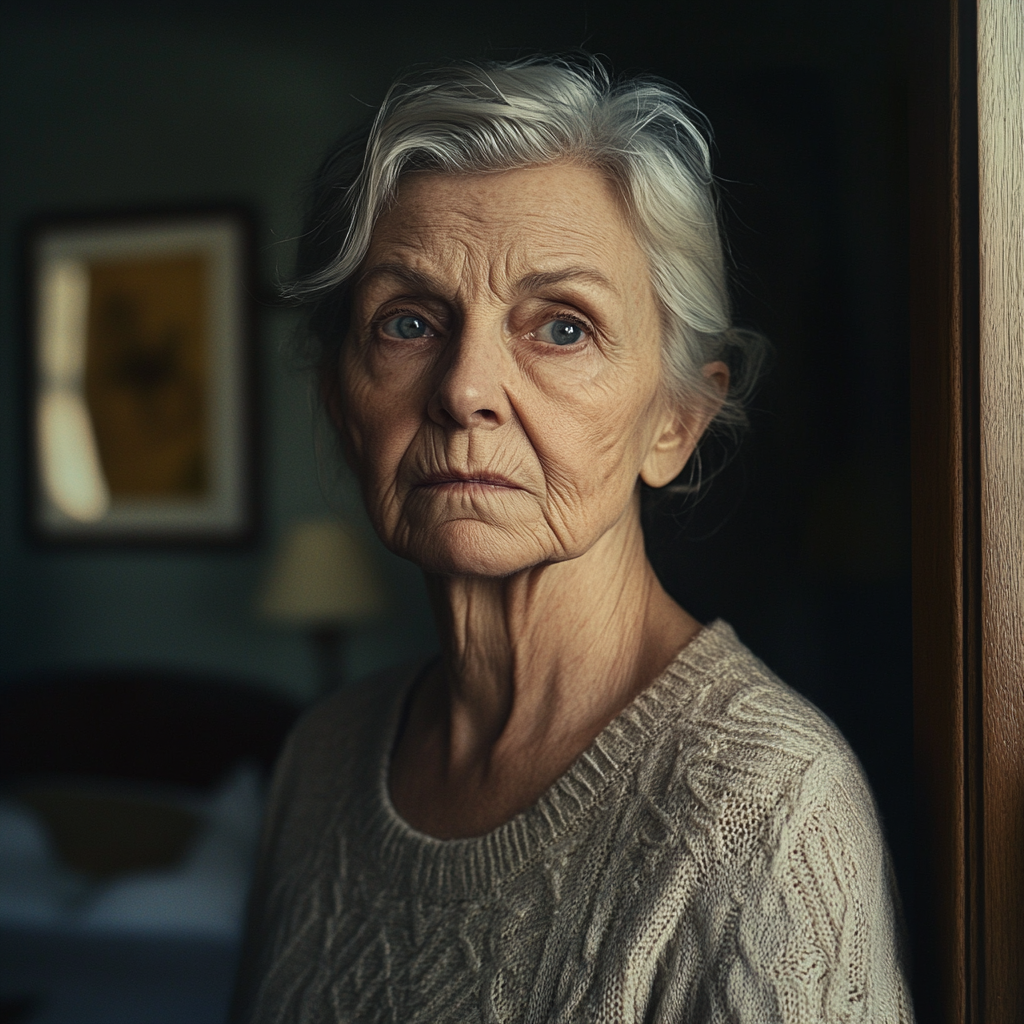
x: 457, y: 477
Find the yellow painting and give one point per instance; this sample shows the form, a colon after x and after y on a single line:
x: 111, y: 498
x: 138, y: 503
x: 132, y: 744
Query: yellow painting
x: 146, y: 375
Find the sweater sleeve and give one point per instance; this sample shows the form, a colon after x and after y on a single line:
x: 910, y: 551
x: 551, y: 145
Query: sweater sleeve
x: 818, y: 938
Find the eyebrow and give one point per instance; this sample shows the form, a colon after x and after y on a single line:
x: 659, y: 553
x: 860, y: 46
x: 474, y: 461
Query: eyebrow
x: 414, y: 278
x: 540, y: 280
x: 532, y: 282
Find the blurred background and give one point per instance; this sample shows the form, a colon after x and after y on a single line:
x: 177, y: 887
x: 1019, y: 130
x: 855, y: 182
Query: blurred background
x: 123, y: 668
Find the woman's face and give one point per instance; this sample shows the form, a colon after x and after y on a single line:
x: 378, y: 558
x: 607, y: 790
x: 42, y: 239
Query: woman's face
x: 500, y: 385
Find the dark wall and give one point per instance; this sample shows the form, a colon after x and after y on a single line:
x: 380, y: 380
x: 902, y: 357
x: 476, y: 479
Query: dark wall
x: 802, y: 543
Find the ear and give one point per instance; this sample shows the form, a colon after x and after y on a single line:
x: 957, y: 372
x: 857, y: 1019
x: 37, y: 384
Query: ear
x: 681, y: 429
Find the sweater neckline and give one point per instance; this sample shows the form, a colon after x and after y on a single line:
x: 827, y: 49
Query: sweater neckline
x: 420, y: 864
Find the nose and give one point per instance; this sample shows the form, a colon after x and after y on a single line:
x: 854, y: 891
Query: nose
x: 471, y: 392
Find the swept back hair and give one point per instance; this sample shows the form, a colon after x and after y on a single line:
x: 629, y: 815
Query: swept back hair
x: 476, y: 118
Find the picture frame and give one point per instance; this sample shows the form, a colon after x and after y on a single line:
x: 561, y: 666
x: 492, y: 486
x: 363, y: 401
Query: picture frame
x: 140, y: 378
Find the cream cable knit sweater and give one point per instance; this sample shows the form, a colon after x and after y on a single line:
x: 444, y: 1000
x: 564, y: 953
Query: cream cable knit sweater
x: 714, y: 856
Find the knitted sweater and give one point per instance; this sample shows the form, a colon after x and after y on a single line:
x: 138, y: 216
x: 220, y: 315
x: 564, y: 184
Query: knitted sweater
x: 713, y: 856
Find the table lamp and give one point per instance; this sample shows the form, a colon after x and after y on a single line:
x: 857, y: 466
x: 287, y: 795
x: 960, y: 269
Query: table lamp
x: 322, y: 579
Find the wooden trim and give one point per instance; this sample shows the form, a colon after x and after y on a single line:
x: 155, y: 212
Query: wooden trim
x: 944, y: 441
x: 1001, y: 260
x: 967, y: 338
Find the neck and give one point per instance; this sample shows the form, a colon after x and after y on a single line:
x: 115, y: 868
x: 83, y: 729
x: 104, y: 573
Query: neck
x: 554, y: 652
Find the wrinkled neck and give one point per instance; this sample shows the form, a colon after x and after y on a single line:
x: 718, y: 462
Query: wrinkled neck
x: 555, y: 646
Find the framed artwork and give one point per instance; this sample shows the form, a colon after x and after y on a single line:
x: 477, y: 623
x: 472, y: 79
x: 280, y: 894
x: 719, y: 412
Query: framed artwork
x: 140, y: 363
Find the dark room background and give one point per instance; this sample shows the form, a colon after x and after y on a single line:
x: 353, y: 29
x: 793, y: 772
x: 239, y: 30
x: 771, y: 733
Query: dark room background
x: 802, y: 544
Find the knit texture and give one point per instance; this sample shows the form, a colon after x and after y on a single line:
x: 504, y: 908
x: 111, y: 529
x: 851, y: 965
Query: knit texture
x: 713, y: 856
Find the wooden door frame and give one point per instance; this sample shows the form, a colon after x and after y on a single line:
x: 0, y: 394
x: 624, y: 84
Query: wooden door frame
x: 967, y: 358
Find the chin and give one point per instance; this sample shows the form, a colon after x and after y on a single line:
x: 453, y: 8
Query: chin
x: 470, y: 548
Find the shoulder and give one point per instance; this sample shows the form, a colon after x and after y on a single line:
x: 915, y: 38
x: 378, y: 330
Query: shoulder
x: 335, y: 751
x: 757, y: 754
x: 745, y: 712
x: 771, y: 798
x: 340, y: 721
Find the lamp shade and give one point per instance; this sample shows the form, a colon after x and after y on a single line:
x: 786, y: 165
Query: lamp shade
x: 321, y: 575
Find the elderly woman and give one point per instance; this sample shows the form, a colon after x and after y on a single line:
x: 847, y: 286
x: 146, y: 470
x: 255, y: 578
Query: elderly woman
x: 590, y: 807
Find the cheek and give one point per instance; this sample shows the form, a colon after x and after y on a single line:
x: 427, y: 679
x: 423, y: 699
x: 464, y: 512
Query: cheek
x: 594, y: 435
x: 380, y: 418
x: 360, y: 417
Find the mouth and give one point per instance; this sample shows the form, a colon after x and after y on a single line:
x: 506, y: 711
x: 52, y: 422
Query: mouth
x: 453, y: 479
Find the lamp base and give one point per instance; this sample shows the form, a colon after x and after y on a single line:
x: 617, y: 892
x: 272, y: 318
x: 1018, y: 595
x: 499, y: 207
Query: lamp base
x: 329, y: 649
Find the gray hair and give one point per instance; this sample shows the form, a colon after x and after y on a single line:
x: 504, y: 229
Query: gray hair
x: 461, y: 118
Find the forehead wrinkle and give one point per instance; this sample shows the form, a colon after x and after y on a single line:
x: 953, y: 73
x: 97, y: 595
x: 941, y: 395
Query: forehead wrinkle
x: 443, y: 274
x: 462, y: 248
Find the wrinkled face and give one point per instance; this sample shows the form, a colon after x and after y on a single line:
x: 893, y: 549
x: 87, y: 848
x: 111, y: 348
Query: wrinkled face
x: 500, y: 388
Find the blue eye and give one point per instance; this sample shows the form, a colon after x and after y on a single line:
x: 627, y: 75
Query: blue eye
x: 407, y: 327
x: 561, y: 332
